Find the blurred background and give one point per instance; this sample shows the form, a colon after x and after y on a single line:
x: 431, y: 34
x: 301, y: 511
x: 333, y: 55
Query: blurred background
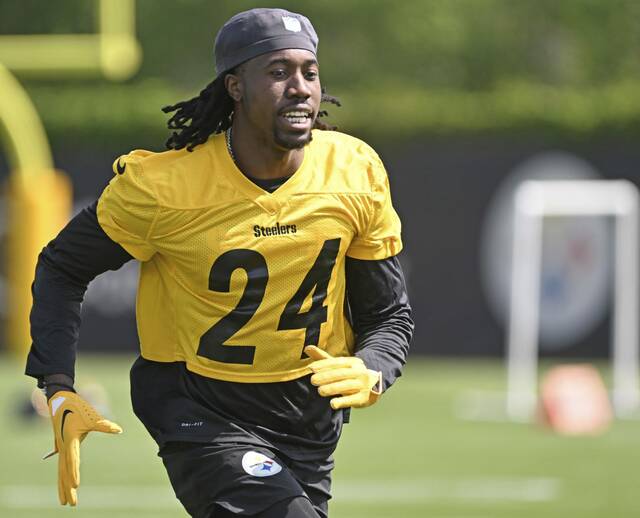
x: 463, y: 100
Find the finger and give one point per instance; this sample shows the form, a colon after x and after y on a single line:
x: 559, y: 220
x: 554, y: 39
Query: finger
x: 353, y: 400
x: 344, y: 387
x: 106, y: 426
x: 73, y: 462
x: 334, y: 363
x: 68, y: 493
x: 332, y: 375
x: 315, y: 353
x: 61, y: 494
x: 64, y: 479
x: 73, y: 497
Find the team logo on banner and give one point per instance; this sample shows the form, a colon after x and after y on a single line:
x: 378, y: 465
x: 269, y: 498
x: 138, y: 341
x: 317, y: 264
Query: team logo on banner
x: 576, y: 256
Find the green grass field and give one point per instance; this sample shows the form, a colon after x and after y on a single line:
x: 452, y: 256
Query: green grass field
x: 408, y: 457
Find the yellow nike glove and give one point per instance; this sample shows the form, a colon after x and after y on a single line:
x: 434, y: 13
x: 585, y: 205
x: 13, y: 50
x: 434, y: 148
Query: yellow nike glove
x: 73, y: 418
x: 346, y: 377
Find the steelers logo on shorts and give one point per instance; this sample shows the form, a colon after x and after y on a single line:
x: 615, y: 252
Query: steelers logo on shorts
x: 259, y: 465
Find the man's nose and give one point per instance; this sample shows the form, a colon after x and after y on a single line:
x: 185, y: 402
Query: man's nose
x: 298, y: 86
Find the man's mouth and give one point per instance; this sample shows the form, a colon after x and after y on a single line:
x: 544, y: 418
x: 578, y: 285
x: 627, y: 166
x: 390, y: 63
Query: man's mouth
x: 297, y: 116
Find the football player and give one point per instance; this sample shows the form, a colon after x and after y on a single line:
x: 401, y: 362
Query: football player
x: 270, y: 299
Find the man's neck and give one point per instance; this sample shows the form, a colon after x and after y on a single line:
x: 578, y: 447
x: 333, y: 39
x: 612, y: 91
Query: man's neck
x: 260, y: 159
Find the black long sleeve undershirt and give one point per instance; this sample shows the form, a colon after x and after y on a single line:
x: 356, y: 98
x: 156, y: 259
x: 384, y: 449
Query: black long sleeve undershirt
x: 65, y: 267
x: 380, y: 315
x: 82, y: 251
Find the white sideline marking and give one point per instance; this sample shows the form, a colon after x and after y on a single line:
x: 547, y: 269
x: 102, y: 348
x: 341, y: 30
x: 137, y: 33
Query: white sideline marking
x: 94, y: 497
x: 474, y: 490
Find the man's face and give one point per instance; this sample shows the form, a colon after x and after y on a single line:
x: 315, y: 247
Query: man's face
x: 279, y: 94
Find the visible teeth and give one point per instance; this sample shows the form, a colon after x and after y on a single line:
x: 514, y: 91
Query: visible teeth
x: 296, y: 114
x: 296, y: 117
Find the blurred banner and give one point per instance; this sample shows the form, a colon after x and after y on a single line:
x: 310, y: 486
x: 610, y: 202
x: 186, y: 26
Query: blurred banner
x: 455, y: 198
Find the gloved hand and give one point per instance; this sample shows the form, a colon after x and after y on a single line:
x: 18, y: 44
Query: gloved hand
x: 73, y: 418
x: 346, y: 377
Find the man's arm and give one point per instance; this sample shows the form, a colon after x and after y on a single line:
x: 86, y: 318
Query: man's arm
x: 65, y: 267
x: 89, y: 245
x: 380, y: 315
x: 381, y: 318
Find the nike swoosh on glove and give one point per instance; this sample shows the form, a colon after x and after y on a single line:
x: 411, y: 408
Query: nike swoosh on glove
x: 73, y: 418
x: 346, y: 377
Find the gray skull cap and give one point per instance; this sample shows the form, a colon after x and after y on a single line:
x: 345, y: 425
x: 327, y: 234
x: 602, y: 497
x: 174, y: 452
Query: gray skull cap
x: 251, y: 33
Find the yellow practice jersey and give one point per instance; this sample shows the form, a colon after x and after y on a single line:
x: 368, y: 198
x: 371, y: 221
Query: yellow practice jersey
x: 234, y: 280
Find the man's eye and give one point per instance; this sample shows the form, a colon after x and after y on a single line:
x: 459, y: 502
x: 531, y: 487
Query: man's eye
x: 311, y: 76
x: 278, y: 74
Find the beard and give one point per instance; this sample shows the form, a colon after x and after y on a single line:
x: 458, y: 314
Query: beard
x: 289, y: 141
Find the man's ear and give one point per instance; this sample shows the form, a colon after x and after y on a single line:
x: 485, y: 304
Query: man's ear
x: 234, y: 86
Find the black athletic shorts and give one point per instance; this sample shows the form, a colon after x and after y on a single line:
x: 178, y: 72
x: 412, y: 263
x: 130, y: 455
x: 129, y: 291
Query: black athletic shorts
x: 242, y: 479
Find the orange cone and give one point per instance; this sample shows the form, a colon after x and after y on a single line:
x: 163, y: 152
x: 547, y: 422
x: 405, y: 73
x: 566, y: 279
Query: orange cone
x: 574, y: 401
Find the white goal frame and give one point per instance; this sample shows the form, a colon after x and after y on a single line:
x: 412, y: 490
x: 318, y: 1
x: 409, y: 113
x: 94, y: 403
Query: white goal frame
x: 533, y: 201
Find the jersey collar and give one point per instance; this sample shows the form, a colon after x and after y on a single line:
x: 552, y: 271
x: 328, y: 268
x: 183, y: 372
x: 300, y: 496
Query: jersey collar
x: 271, y: 202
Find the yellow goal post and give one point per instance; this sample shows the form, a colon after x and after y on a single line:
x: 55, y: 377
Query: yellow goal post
x: 40, y: 197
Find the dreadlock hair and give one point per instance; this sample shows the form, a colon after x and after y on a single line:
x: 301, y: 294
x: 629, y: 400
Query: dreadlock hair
x: 326, y: 98
x: 210, y: 113
x: 194, y: 120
